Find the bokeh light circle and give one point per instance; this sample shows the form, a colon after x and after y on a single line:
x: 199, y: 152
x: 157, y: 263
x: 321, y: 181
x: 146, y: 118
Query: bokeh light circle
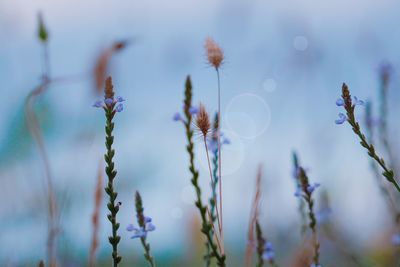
x: 233, y: 154
x: 269, y: 85
x: 247, y: 115
x: 300, y: 43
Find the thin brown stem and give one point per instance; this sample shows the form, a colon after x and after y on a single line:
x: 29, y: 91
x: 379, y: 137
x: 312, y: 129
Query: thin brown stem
x: 211, y: 177
x: 219, y: 154
x: 215, y: 232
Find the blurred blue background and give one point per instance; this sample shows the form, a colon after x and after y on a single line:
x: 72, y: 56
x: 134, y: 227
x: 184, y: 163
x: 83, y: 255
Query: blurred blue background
x: 284, y: 65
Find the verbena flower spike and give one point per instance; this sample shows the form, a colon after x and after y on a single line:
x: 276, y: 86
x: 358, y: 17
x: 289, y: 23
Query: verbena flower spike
x: 265, y: 250
x: 349, y: 107
x: 307, y: 191
x: 145, y: 226
x: 301, y: 205
x: 111, y: 105
x: 207, y: 226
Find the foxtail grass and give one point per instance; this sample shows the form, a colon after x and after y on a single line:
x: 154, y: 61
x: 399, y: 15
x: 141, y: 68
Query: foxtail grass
x: 98, y: 196
x: 204, y: 126
x: 215, y: 56
x: 254, y: 213
x: 207, y: 225
x: 36, y: 132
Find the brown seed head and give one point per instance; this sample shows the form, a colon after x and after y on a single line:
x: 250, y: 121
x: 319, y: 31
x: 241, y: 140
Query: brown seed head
x: 303, y: 178
x: 215, y: 55
x: 109, y: 89
x: 346, y: 96
x: 203, y: 120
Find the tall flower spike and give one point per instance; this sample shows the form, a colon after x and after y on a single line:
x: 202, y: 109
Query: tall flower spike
x: 215, y: 55
x: 265, y: 251
x: 206, y: 228
x: 301, y: 205
x: 350, y: 112
x: 112, y: 206
x: 145, y: 226
x: 307, y: 196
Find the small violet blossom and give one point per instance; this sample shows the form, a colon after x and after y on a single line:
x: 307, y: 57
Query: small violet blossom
x: 109, y: 102
x: 311, y: 188
x: 212, y: 143
x: 268, y: 253
x: 140, y: 232
x: 193, y: 110
x: 298, y: 191
x: 342, y: 118
x: 396, y: 239
x: 340, y: 103
x: 177, y: 117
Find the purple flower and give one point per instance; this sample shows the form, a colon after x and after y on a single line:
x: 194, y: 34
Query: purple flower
x: 268, y: 253
x: 108, y: 101
x: 396, y: 239
x: 119, y: 107
x: 139, y: 232
x: 358, y: 101
x: 177, y: 117
x: 149, y: 227
x: 226, y: 141
x: 120, y: 99
x: 212, y: 142
x: 268, y: 246
x: 98, y: 104
x: 342, y: 119
x: 340, y: 102
x: 193, y: 110
x: 311, y: 188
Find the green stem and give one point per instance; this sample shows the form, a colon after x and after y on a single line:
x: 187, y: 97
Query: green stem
x: 350, y: 107
x: 142, y: 224
x: 206, y: 225
x: 111, y: 173
x: 307, y: 196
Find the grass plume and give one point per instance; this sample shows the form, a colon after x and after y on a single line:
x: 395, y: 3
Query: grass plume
x: 207, y: 226
x: 98, y: 196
